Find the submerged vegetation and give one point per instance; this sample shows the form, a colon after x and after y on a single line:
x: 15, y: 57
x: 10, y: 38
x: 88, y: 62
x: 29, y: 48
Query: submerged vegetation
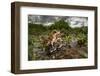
x: 68, y: 43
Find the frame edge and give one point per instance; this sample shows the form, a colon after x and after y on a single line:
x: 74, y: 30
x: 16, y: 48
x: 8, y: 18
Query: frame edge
x: 13, y: 37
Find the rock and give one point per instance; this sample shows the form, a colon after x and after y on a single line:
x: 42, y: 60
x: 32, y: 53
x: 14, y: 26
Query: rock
x: 74, y: 43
